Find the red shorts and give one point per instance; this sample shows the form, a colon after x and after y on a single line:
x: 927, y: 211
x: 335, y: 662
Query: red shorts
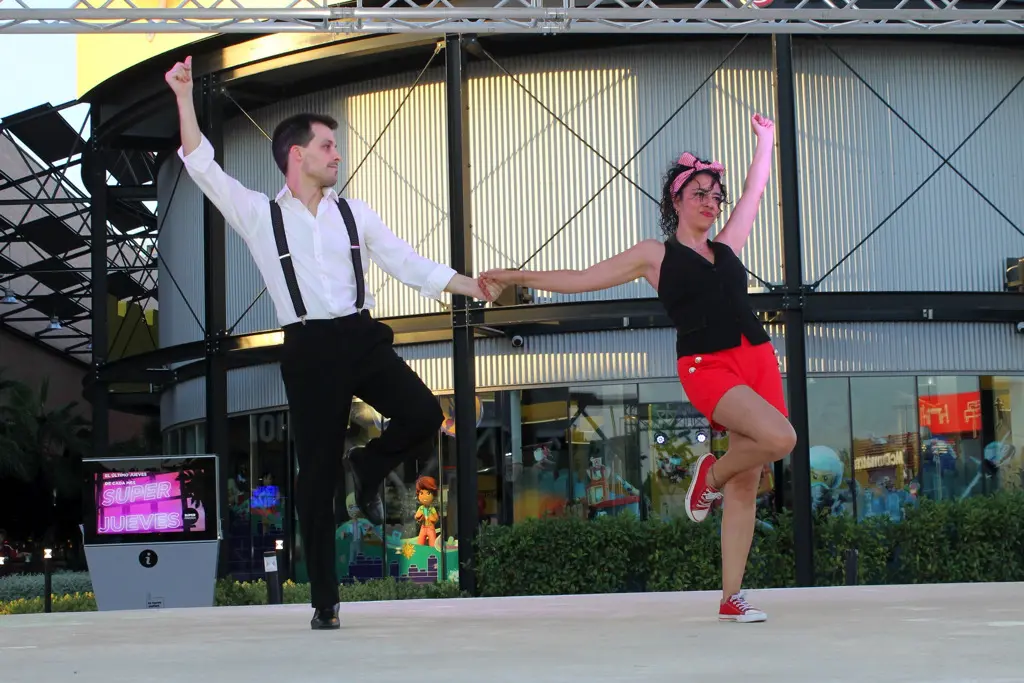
x: 707, y: 376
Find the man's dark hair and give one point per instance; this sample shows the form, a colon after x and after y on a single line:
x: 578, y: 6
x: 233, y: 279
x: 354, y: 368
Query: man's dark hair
x: 296, y: 130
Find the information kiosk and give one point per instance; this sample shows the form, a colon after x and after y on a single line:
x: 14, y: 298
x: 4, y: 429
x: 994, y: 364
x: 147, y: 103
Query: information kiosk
x: 152, y: 530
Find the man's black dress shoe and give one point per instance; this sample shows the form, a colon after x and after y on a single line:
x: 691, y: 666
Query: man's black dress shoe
x: 367, y: 499
x: 326, y: 618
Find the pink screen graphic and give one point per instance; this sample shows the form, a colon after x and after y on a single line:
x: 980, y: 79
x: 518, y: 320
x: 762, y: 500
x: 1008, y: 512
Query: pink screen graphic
x: 144, y: 503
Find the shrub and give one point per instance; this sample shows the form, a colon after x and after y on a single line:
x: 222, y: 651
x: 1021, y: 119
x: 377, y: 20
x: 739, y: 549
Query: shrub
x: 977, y: 539
x: 27, y: 586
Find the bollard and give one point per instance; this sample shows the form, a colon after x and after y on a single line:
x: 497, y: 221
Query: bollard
x: 273, y: 577
x: 47, y: 581
x: 282, y: 564
x: 851, y: 556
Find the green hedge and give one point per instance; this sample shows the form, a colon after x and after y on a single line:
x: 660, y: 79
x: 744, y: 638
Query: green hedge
x: 978, y: 539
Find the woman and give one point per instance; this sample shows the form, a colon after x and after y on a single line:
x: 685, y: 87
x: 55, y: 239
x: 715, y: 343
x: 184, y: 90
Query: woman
x: 726, y: 362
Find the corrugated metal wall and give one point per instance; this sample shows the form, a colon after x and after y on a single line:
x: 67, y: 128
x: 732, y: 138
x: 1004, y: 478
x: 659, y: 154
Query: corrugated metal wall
x: 858, y: 162
x: 928, y: 348
x: 184, y: 403
x: 182, y: 294
x: 530, y: 175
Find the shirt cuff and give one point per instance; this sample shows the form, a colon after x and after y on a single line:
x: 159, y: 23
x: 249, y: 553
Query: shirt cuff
x: 200, y: 158
x: 438, y: 279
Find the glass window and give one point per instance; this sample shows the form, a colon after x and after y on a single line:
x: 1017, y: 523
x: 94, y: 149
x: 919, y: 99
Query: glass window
x: 188, y: 440
x: 539, y: 482
x: 1002, y: 405
x: 949, y: 411
x: 605, y: 474
x: 833, y: 490
x: 238, y: 538
x: 884, y: 418
x: 268, y: 500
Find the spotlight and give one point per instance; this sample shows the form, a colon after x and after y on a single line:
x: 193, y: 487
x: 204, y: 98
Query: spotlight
x: 8, y: 296
x: 702, y: 436
x: 660, y: 438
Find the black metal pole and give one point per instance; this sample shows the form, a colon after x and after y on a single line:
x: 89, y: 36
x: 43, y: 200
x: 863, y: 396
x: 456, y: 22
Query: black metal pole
x: 462, y: 332
x: 796, y: 354
x: 47, y: 581
x: 215, y: 314
x: 96, y: 182
x: 273, y: 576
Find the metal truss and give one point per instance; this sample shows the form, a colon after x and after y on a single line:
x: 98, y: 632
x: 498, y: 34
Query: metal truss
x: 46, y: 237
x: 518, y: 16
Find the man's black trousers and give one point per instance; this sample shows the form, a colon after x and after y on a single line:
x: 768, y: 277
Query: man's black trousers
x: 324, y: 364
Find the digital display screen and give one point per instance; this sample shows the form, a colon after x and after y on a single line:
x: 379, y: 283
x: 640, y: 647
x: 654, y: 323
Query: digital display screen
x: 146, y: 502
x: 163, y: 498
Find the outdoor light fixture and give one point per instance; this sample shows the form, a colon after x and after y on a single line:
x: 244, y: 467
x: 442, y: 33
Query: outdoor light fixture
x: 47, y: 553
x: 54, y: 323
x: 8, y: 296
x: 279, y: 545
x: 702, y: 436
x: 2, y: 560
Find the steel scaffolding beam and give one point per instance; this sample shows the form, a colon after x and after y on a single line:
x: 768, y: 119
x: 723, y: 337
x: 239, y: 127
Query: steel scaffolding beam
x: 521, y: 16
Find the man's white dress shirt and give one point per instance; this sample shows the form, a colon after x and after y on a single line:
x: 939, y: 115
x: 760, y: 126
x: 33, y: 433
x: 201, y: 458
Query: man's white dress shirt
x: 319, y: 245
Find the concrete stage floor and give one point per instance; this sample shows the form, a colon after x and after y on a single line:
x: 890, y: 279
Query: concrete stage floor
x: 931, y: 634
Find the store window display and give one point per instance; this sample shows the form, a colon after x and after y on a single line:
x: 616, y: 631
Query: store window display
x: 1002, y: 405
x: 605, y: 464
x: 833, y: 488
x: 884, y: 418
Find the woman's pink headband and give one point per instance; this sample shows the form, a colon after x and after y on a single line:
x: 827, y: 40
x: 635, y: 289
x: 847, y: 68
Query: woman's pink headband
x: 696, y: 166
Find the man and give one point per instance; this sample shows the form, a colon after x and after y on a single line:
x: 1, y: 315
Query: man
x: 333, y: 350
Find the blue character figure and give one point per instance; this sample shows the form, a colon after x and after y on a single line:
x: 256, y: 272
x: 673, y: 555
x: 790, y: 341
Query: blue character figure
x: 996, y: 455
x: 826, y: 479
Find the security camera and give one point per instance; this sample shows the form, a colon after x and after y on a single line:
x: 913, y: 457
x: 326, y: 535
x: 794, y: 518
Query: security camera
x: 517, y: 341
x: 1020, y: 328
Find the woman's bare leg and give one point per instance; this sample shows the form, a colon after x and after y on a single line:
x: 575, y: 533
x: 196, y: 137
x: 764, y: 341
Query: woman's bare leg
x: 765, y: 434
x: 739, y: 515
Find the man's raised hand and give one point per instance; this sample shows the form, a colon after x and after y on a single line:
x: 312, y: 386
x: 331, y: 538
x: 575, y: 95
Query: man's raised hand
x: 180, y: 78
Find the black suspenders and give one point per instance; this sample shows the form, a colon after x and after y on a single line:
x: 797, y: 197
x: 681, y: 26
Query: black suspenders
x: 285, y: 256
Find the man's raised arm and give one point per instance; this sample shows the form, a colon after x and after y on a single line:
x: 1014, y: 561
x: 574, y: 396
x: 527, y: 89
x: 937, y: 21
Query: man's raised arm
x: 239, y: 205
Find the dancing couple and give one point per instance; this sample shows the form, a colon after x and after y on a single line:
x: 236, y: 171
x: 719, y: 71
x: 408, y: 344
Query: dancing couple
x: 309, y: 245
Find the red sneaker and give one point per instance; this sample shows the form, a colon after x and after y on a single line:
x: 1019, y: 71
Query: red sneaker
x: 701, y: 494
x: 738, y: 609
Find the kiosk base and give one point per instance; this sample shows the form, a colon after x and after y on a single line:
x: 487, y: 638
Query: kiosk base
x: 153, y: 575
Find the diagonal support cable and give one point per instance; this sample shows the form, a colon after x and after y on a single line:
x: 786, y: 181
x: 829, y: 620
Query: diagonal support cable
x: 169, y: 273
x: 945, y: 162
x: 579, y: 137
x: 619, y: 171
x: 408, y: 93
x: 922, y: 138
x: 558, y: 118
x: 437, y: 49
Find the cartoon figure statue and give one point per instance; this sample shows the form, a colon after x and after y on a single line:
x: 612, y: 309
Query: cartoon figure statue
x: 597, y: 487
x: 426, y: 513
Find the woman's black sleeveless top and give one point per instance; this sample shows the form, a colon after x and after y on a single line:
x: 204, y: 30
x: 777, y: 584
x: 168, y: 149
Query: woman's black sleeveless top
x: 708, y: 303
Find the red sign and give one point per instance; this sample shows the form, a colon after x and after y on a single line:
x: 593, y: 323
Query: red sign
x: 950, y: 413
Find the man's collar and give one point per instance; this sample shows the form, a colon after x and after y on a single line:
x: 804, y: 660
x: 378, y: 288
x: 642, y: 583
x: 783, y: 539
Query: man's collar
x: 286, y: 193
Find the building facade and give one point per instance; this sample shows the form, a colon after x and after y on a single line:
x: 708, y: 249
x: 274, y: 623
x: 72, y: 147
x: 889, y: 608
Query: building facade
x: 595, y: 422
